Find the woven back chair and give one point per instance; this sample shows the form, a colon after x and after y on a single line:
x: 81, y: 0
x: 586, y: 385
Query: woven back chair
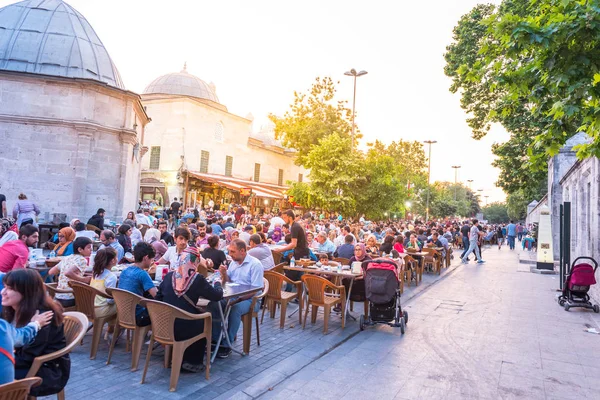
x: 53, y: 290
x: 248, y: 317
x: 75, y: 326
x: 317, y: 297
x: 279, y: 268
x: 85, y: 295
x: 94, y: 228
x: 342, y: 260
x: 411, y: 268
x: 163, y: 318
x: 126, y: 304
x: 18, y: 390
x: 277, y: 296
x: 433, y: 258
x: 277, y: 256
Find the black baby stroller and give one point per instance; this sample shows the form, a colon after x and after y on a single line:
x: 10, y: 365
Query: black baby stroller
x: 577, y: 285
x: 382, y: 289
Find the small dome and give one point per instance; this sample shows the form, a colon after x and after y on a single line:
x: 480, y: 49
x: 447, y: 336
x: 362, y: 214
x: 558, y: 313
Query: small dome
x: 50, y: 37
x: 182, y: 84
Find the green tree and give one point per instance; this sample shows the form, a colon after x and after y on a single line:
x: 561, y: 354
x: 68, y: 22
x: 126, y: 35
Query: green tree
x: 539, y: 58
x: 495, y: 213
x: 487, y: 101
x: 516, y: 204
x: 312, y: 117
x: 335, y: 176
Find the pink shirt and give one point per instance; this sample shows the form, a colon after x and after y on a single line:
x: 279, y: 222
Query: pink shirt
x: 13, y: 254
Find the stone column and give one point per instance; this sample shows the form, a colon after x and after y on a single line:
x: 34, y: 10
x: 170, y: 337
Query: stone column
x: 85, y: 139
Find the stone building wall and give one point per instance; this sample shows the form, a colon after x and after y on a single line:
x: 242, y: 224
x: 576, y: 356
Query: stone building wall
x: 184, y: 126
x: 581, y: 186
x: 69, y: 144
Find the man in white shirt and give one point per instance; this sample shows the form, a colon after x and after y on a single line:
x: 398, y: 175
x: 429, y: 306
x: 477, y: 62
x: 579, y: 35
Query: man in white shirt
x: 245, y: 234
x: 81, y: 232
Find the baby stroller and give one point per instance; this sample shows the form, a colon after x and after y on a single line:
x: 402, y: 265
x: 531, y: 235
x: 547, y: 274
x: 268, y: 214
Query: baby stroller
x: 577, y: 285
x: 382, y: 289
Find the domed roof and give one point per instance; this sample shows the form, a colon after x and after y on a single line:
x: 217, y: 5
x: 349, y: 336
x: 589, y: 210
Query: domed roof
x: 50, y: 37
x: 182, y: 84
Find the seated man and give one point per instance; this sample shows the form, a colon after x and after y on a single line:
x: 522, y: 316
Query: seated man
x: 261, y: 252
x: 243, y: 270
x: 98, y: 219
x: 347, y: 249
x: 81, y: 232
x: 108, y: 239
x: 15, y: 253
x: 436, y: 242
x: 135, y: 279
x: 325, y: 245
x: 164, y: 234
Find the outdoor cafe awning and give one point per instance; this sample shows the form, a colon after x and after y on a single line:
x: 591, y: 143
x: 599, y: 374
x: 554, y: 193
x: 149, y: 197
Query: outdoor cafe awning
x: 259, y: 189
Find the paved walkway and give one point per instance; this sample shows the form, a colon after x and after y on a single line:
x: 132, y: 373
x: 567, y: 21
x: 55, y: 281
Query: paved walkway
x: 283, y: 352
x: 484, y: 332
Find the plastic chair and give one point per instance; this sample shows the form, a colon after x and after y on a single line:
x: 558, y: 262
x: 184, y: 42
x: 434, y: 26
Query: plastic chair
x: 163, y: 317
x: 126, y: 303
x: 84, y: 302
x: 75, y: 326
x: 53, y: 290
x: 279, y: 268
x: 277, y: 256
x: 247, y: 319
x: 277, y: 296
x: 94, y: 228
x: 433, y: 258
x: 316, y: 286
x: 342, y: 260
x: 18, y: 390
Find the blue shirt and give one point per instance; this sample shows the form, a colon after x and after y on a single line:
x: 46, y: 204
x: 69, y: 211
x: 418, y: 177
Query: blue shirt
x: 135, y: 280
x: 118, y: 248
x: 327, y: 247
x: 511, y: 230
x: 249, y: 272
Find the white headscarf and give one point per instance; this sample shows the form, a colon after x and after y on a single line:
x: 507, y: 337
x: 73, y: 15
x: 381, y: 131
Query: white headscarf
x: 152, y: 235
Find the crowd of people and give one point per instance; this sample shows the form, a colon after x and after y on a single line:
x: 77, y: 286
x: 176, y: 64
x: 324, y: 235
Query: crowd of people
x: 237, y: 246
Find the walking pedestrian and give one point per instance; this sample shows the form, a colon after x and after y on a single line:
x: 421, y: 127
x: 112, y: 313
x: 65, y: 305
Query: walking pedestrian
x: 520, y: 230
x: 473, y: 237
x: 464, y: 230
x: 511, y: 234
x: 499, y: 236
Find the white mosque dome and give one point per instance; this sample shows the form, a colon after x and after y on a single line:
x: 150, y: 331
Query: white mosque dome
x: 182, y: 84
x: 50, y: 37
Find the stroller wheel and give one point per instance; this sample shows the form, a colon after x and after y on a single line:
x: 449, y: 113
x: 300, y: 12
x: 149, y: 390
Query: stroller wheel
x: 361, y: 323
x: 596, y: 308
x: 402, y: 326
x: 405, y: 317
x: 567, y: 306
x: 561, y: 302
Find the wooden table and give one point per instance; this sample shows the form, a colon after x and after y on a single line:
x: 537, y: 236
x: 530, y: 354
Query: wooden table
x: 51, y: 262
x: 231, y: 291
x: 333, y: 272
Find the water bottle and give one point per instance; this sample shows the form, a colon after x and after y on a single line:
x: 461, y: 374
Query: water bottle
x: 52, y: 254
x: 292, y: 262
x: 339, y: 268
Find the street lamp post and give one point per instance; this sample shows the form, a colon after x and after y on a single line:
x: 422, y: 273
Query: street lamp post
x: 429, y: 142
x: 486, y: 199
x: 470, y: 182
x: 456, y: 167
x: 355, y: 74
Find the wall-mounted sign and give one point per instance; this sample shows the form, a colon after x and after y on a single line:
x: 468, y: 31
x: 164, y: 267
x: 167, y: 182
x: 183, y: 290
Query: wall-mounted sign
x: 245, y: 191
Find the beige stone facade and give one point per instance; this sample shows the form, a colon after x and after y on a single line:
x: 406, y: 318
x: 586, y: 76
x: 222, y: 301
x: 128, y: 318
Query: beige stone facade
x: 191, y: 134
x: 69, y: 144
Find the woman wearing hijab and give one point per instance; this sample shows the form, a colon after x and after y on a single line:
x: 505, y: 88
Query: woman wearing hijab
x: 66, y: 236
x: 358, y: 287
x: 152, y: 237
x: 182, y: 288
x: 371, y: 246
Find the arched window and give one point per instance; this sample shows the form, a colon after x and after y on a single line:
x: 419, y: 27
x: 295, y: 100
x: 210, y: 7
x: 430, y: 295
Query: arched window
x: 219, y: 132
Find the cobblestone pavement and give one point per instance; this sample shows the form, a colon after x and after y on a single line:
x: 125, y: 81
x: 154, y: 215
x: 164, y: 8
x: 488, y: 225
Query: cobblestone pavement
x: 282, y: 353
x: 486, y: 332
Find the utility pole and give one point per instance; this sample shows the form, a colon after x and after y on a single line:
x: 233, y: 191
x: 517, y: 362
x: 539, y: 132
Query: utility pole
x: 429, y: 142
x: 456, y: 167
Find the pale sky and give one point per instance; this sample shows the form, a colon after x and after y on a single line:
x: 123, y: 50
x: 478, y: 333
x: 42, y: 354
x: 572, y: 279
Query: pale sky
x: 259, y: 52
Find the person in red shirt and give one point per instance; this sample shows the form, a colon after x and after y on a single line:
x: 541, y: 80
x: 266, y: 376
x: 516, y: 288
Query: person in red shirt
x: 14, y: 254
